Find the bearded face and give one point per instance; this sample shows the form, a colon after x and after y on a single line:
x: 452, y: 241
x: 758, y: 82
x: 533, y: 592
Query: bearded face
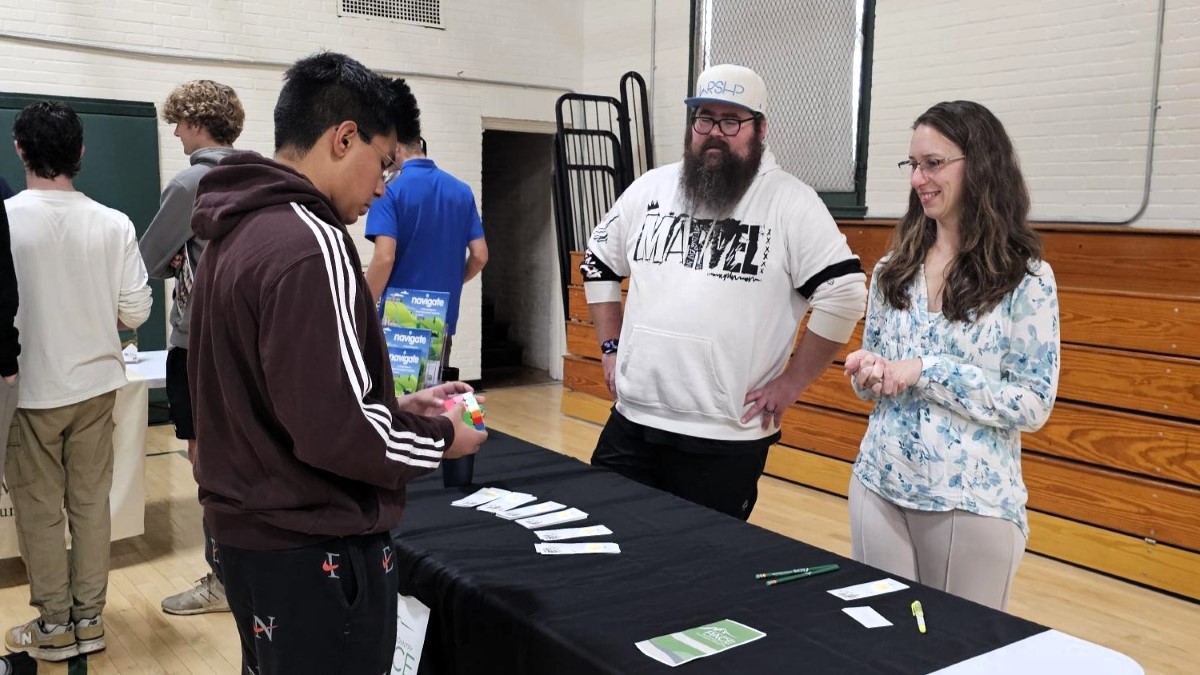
x: 718, y: 169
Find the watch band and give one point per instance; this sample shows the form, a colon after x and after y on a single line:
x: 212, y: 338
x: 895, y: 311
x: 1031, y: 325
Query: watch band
x: 609, y: 346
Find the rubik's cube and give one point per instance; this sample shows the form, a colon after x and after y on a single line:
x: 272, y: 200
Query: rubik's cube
x: 473, y: 413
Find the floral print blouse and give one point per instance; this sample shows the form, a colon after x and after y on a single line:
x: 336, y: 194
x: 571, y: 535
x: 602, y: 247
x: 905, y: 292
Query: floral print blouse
x: 953, y: 440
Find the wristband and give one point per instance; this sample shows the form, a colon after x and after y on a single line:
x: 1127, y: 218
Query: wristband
x: 609, y: 346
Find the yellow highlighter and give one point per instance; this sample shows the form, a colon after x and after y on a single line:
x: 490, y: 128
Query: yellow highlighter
x: 920, y: 614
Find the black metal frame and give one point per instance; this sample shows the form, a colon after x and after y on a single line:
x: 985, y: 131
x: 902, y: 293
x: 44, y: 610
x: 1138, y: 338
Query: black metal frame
x: 594, y: 161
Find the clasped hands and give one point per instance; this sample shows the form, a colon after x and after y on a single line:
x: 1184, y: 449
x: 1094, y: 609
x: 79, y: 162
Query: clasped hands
x: 882, y: 376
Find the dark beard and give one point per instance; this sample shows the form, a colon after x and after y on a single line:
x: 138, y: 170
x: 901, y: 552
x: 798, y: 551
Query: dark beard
x: 713, y: 190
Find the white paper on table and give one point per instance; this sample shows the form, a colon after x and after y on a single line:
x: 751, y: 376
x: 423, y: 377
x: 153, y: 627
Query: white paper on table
x: 568, y: 516
x: 529, y: 511
x: 576, y: 549
x: 412, y: 620
x: 572, y: 533
x: 867, y: 616
x: 1048, y: 653
x: 508, y: 501
x: 869, y: 589
x: 480, y: 497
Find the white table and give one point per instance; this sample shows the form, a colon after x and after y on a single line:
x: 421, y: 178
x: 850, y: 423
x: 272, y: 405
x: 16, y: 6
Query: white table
x: 128, y: 495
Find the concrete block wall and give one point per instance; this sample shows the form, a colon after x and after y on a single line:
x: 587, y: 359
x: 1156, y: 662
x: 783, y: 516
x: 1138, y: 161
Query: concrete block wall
x: 506, y: 59
x: 653, y: 39
x: 1071, y: 81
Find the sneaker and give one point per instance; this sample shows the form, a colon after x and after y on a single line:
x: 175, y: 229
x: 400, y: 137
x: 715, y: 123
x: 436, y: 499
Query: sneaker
x: 49, y: 642
x: 208, y: 595
x: 89, y: 634
x: 19, y: 663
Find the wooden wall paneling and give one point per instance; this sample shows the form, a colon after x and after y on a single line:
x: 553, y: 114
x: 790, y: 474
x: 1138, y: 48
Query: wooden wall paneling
x: 1143, y: 507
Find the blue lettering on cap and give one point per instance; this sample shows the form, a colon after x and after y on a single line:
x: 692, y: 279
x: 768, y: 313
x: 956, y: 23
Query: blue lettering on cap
x: 722, y: 87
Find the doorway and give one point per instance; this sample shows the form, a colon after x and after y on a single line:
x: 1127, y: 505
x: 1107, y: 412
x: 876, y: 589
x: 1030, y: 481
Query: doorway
x: 522, y: 321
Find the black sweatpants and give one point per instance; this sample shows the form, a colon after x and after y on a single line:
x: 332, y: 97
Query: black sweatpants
x: 328, y: 609
x: 722, y: 475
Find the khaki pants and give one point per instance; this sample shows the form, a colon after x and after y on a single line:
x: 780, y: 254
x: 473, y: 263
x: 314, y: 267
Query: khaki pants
x: 8, y: 406
x: 65, y: 458
x: 964, y: 554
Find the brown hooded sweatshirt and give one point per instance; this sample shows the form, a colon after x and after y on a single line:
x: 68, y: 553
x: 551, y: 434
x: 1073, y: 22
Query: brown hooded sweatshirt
x: 300, y: 439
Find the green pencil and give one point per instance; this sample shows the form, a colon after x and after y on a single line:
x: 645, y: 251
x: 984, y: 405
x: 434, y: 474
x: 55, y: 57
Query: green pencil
x: 804, y: 575
x: 798, y: 570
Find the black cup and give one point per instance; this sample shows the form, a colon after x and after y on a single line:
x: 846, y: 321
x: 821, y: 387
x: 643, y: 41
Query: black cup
x: 458, y: 472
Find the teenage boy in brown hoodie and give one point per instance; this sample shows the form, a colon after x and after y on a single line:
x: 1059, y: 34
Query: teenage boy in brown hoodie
x: 303, y: 450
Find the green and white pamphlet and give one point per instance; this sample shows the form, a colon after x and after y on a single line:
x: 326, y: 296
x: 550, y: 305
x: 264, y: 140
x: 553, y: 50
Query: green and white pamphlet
x: 695, y: 643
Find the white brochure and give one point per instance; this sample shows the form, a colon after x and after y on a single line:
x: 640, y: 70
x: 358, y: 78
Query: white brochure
x: 412, y: 619
x: 568, y: 516
x: 509, y: 501
x: 527, y: 511
x: 869, y: 589
x: 480, y: 497
x: 572, y: 533
x: 576, y: 549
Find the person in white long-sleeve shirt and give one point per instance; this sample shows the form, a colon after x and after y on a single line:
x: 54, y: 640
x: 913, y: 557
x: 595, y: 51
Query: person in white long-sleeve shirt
x: 82, y: 279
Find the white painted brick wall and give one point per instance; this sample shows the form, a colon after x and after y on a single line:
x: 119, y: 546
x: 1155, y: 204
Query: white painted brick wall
x: 530, y: 49
x: 1070, y: 80
x: 617, y: 39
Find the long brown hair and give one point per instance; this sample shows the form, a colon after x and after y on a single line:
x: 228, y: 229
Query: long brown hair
x: 997, y: 242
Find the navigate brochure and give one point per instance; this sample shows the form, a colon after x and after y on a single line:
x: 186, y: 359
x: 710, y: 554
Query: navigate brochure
x: 423, y: 310
x: 408, y: 350
x: 696, y: 643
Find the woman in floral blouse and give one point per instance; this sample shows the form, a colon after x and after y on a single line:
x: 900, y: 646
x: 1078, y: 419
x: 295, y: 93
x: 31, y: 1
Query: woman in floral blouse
x: 961, y: 354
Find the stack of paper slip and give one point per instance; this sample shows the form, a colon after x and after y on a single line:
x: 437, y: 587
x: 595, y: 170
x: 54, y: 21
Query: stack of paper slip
x: 515, y: 506
x: 568, y: 516
x: 869, y: 589
x: 572, y: 533
x: 480, y: 497
x: 528, y: 511
x: 509, y: 501
x: 576, y: 549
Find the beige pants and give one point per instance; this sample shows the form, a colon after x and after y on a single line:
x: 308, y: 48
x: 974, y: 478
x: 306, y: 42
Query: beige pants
x: 65, y: 458
x: 966, y: 554
x: 8, y: 406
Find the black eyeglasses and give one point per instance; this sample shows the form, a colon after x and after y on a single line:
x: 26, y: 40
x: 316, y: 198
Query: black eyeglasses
x: 927, y: 166
x: 730, y: 126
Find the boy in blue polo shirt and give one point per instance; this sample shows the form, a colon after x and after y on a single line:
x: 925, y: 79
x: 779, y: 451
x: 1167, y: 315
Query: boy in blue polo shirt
x: 421, y: 229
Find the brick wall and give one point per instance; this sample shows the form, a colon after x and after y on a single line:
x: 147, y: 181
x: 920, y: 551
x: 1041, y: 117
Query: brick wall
x: 507, y: 59
x: 618, y: 38
x: 1070, y: 80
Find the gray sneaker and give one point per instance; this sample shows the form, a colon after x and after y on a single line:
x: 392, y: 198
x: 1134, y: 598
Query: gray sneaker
x: 89, y: 635
x: 208, y: 595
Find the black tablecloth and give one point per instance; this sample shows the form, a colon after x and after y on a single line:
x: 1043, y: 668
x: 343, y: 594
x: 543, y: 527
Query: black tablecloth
x: 498, y: 607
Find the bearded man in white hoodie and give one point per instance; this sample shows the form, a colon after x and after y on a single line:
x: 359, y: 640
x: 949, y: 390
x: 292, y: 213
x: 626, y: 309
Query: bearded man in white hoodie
x: 725, y: 254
